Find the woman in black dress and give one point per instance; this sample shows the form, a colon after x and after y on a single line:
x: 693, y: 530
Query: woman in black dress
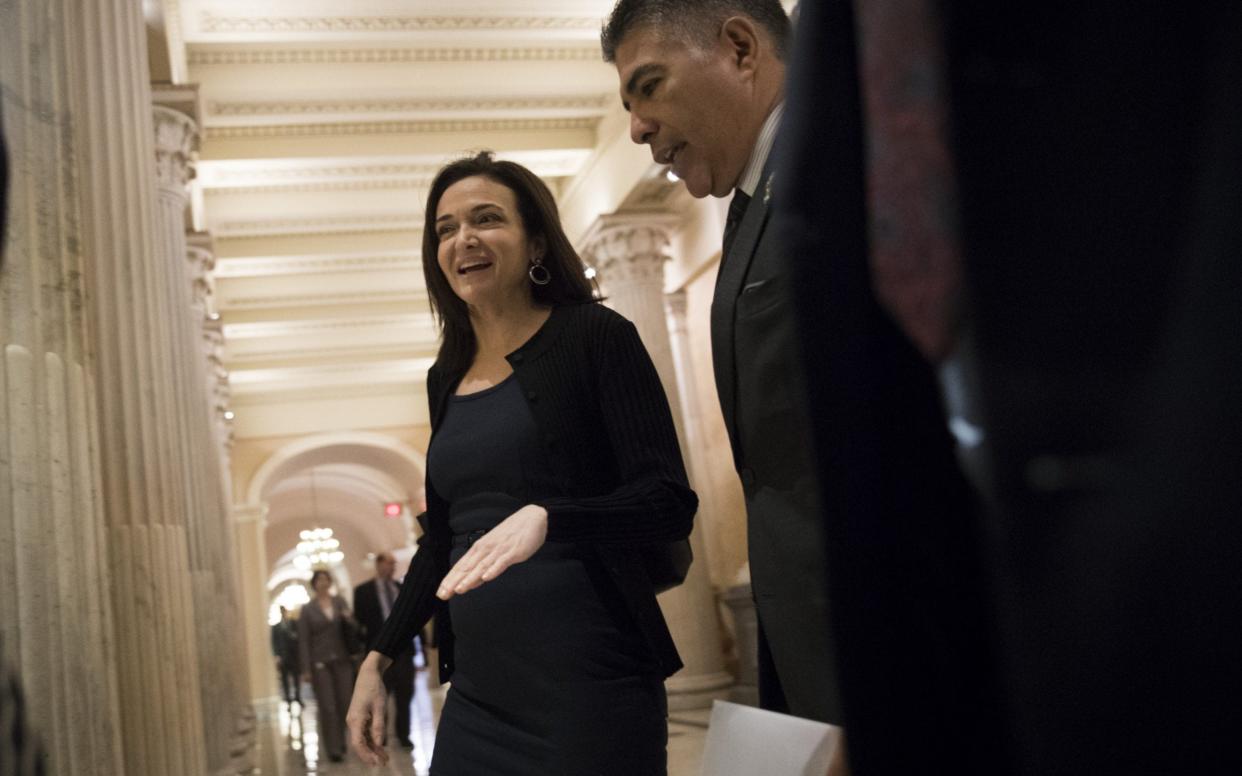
x: 553, y: 478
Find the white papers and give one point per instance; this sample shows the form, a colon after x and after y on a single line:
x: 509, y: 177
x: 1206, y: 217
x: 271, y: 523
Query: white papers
x: 745, y: 741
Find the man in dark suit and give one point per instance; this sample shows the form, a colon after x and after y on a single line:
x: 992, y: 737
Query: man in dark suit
x: 373, y: 602
x: 703, y: 83
x: 285, y: 650
x: 1096, y: 378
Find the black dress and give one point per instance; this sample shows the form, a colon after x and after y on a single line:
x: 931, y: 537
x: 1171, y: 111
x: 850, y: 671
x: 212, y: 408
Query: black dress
x: 551, y: 677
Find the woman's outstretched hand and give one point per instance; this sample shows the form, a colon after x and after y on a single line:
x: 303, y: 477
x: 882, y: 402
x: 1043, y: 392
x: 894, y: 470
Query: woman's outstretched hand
x: 513, y: 540
x: 367, y: 717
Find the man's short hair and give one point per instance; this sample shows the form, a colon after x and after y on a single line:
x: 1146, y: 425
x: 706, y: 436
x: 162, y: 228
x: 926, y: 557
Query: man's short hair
x: 692, y: 21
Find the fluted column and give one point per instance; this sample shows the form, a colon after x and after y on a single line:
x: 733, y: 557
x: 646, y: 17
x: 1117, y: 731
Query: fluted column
x: 55, y: 613
x: 220, y: 562
x: 145, y: 481
x: 176, y: 138
x: 629, y: 252
x: 250, y: 522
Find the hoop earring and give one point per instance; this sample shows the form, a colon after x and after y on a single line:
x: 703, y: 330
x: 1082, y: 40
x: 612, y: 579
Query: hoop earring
x: 539, y: 274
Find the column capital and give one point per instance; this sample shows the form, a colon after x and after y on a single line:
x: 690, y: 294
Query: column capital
x: 629, y: 246
x: 675, y: 301
x: 200, y: 252
x: 176, y: 139
x: 250, y: 513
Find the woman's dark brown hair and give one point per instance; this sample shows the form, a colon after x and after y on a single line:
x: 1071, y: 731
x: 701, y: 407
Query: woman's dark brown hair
x: 540, y: 219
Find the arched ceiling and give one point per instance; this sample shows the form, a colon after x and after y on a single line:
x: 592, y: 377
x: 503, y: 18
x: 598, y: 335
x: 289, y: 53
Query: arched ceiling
x: 322, y: 125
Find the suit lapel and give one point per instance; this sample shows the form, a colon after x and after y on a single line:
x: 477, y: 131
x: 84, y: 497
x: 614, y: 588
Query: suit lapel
x: 729, y: 280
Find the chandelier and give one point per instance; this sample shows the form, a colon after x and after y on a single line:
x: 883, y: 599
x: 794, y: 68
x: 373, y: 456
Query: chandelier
x: 317, y: 548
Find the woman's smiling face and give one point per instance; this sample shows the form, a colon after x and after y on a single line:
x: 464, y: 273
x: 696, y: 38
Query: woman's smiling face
x: 483, y: 247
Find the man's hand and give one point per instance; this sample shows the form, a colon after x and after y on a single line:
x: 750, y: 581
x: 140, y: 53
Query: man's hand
x: 514, y: 540
x: 367, y: 715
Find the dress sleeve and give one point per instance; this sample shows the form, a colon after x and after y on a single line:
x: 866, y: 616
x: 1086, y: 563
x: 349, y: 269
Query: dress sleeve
x: 415, y: 603
x: 655, y: 502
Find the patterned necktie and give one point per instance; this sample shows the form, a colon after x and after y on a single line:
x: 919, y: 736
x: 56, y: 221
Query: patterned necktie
x: 737, y: 209
x: 911, y: 188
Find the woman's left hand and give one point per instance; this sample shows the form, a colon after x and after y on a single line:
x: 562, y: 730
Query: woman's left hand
x: 513, y: 540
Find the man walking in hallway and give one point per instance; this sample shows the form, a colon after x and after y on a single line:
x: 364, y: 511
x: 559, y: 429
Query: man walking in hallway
x: 285, y: 650
x: 703, y: 82
x: 372, y: 604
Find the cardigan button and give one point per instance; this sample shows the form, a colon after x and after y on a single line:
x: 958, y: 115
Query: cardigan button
x: 532, y: 397
x: 516, y: 358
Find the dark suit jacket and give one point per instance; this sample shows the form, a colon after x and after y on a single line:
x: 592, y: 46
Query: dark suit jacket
x: 368, y: 611
x: 757, y: 357
x: 319, y: 638
x: 908, y: 595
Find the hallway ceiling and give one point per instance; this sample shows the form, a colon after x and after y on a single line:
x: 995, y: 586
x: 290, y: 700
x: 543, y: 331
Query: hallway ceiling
x: 323, y: 123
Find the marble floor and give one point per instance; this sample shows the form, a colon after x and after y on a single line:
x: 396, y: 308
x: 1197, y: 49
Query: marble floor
x: 288, y: 741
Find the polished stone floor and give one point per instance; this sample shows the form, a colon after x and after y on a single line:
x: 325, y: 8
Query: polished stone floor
x: 289, y: 741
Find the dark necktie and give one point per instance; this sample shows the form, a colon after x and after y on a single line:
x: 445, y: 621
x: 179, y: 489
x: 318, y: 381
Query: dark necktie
x: 737, y: 209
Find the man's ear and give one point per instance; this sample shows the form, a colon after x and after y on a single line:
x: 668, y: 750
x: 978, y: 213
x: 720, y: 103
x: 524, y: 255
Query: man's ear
x: 741, y: 38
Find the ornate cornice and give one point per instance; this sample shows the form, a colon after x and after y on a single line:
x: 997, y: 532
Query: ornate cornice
x: 298, y: 175
x: 236, y: 331
x: 349, y: 225
x: 200, y: 57
x: 402, y: 127
x: 419, y: 185
x: 310, y: 300
x: 210, y: 23
x: 320, y: 353
x: 297, y: 265
x: 591, y: 102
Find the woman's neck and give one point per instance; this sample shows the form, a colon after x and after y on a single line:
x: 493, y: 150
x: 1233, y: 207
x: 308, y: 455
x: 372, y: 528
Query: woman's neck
x: 501, y: 329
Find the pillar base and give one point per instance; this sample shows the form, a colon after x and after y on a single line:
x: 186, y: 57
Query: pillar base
x: 697, y: 692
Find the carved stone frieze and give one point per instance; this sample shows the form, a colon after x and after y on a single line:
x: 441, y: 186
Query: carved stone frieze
x: 247, y: 56
x: 211, y: 23
x: 351, y: 225
x: 591, y: 102
x: 402, y: 127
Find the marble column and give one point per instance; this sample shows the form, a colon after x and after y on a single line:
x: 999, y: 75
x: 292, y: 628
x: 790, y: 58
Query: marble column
x: 628, y: 251
x: 737, y: 598
x: 250, y: 523
x: 55, y: 614
x: 144, y: 483
x: 229, y: 640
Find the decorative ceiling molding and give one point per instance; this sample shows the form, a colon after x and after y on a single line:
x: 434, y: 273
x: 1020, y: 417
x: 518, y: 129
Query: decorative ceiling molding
x: 304, y: 174
x: 298, y: 265
x: 308, y: 300
x: 591, y: 102
x: 402, y: 127
x: 282, y: 394
x: 210, y: 23
x: 348, y: 225
x: 419, y: 349
x: 420, y: 185
x: 201, y: 57
x: 236, y: 331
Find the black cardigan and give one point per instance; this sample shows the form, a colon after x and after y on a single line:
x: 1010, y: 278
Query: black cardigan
x: 616, y: 467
